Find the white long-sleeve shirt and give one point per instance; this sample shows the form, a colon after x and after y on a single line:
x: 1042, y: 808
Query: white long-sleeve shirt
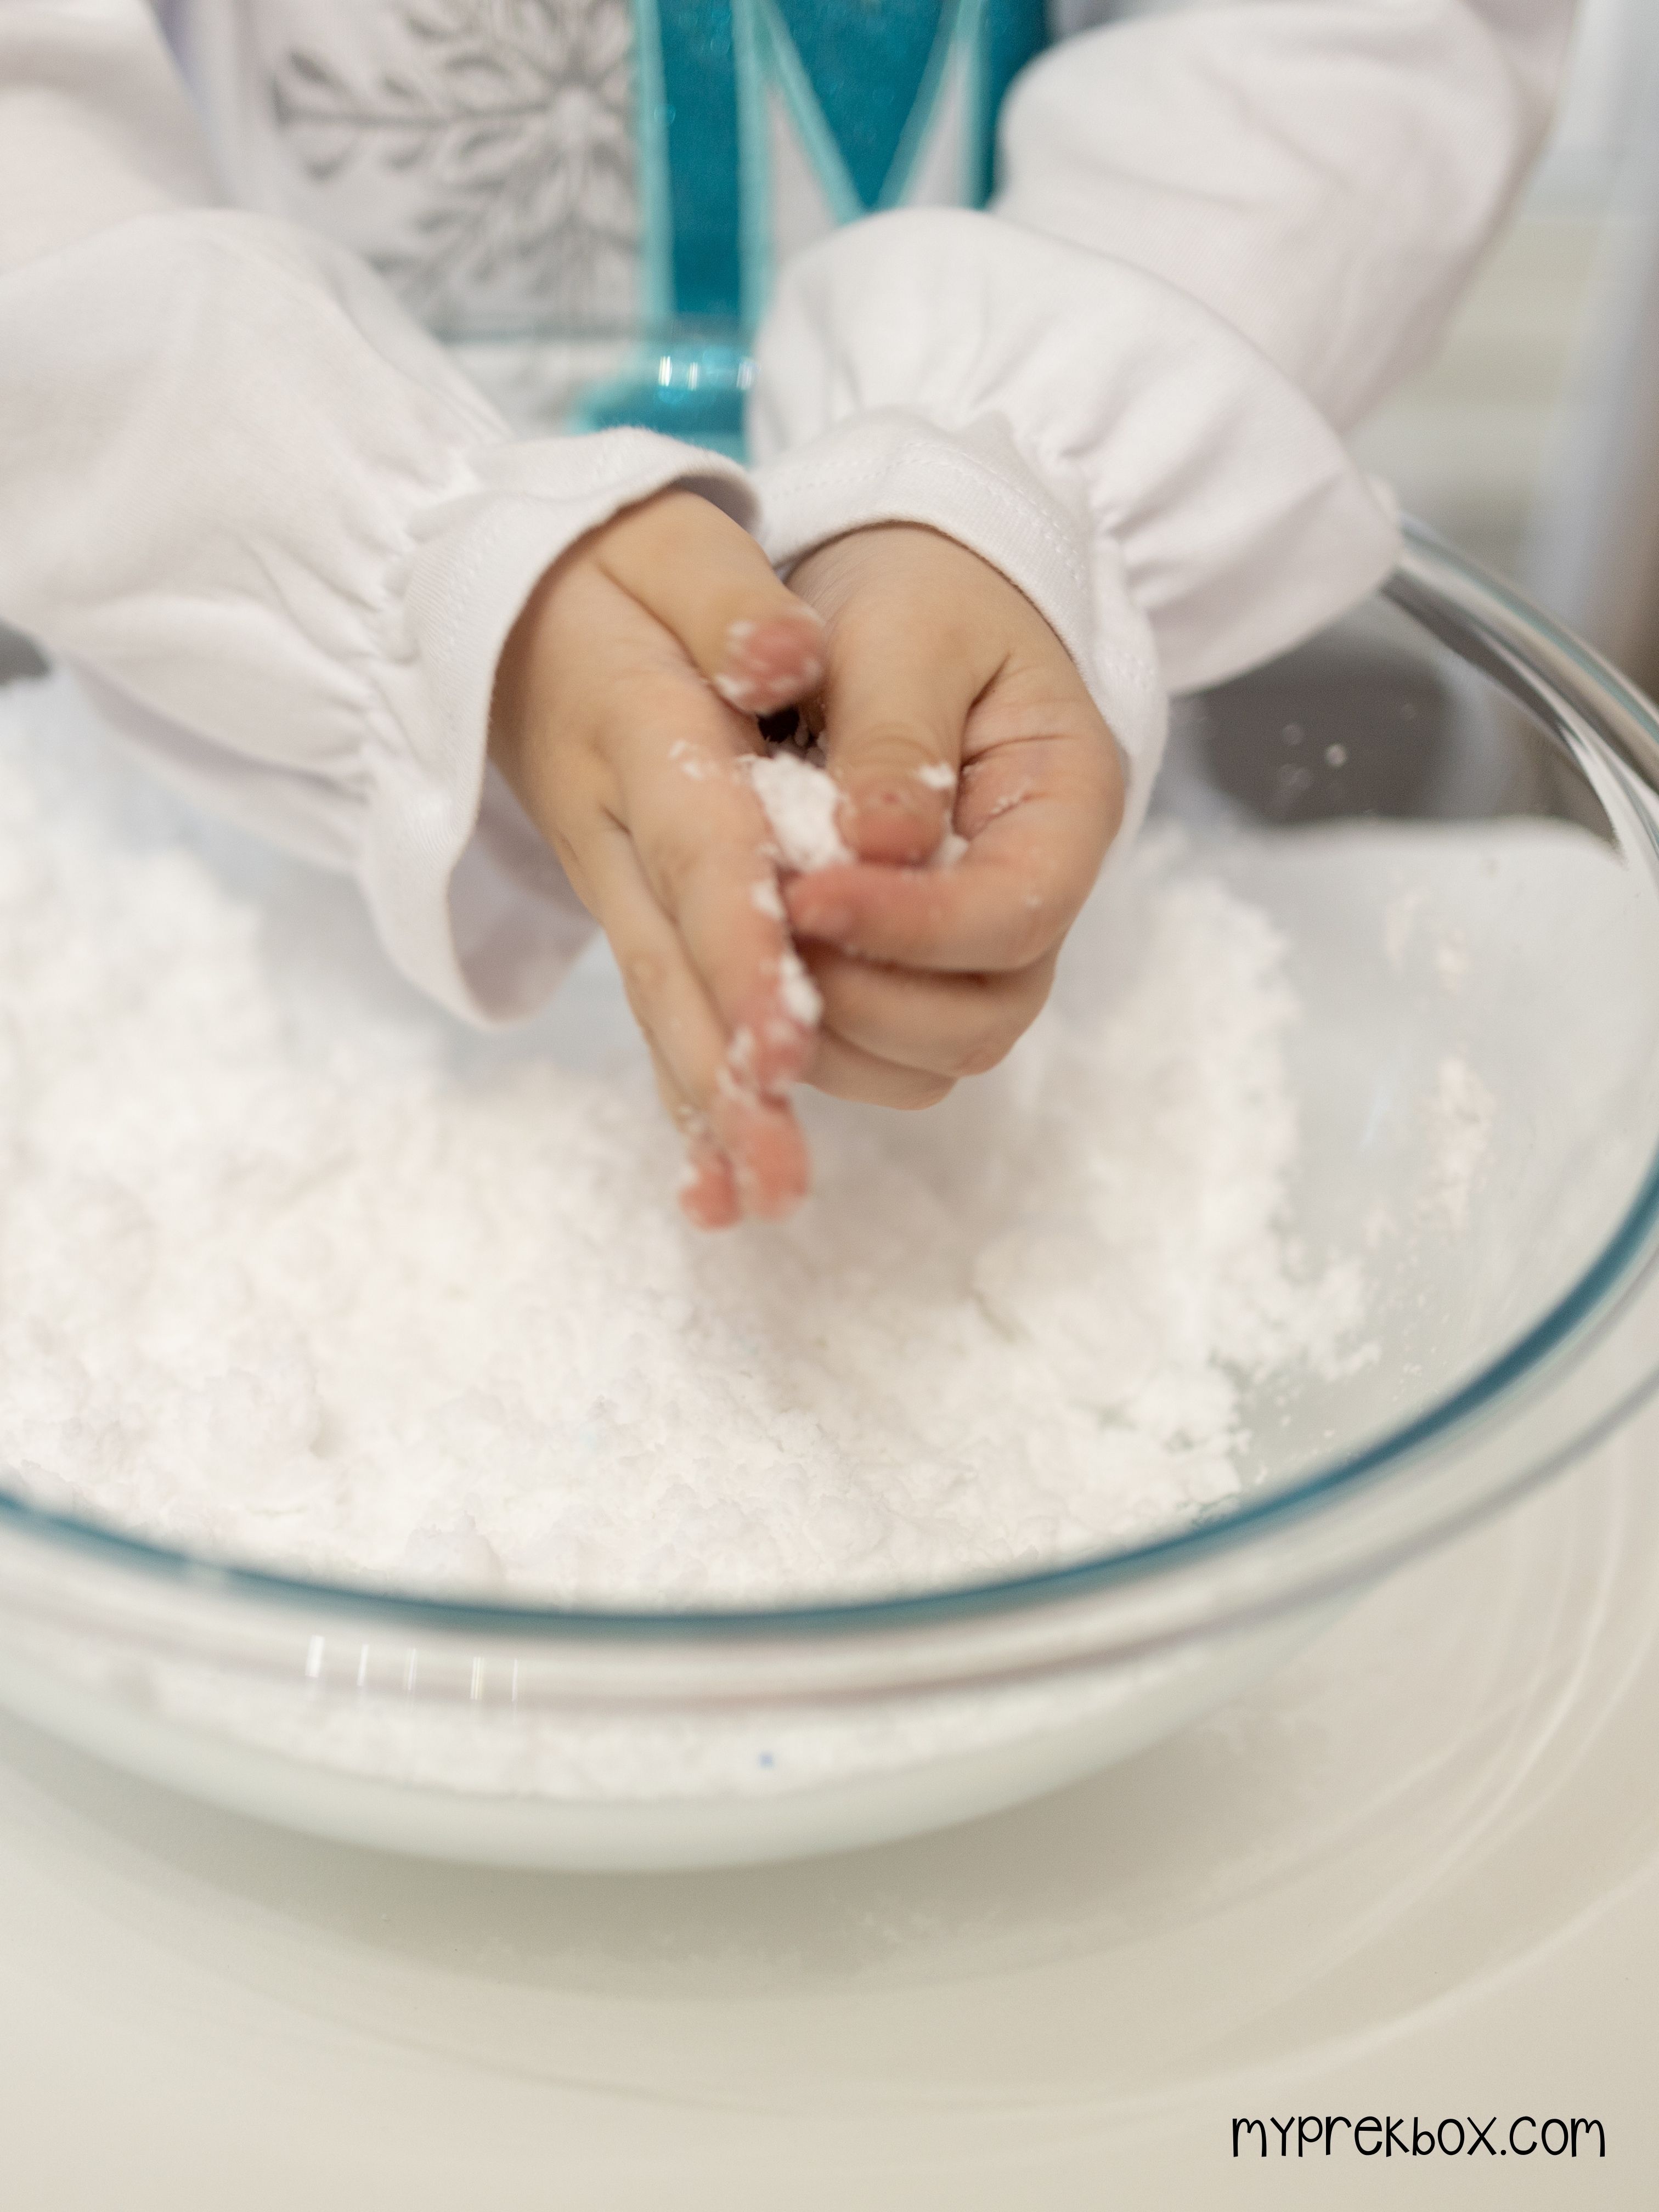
x: 282, y: 538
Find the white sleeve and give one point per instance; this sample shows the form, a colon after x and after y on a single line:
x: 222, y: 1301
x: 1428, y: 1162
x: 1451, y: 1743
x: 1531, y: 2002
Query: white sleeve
x: 1223, y: 233
x: 280, y: 537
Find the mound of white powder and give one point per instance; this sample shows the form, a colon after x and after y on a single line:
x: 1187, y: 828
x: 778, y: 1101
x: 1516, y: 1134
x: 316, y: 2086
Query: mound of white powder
x: 292, y: 1271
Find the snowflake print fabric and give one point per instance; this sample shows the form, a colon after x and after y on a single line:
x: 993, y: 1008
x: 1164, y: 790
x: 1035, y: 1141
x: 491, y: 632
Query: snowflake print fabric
x: 596, y: 168
x: 480, y: 152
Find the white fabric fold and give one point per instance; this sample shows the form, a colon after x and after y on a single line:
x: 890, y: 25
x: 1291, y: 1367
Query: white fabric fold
x: 295, y: 598
x: 285, y: 538
x: 887, y: 464
x: 1172, y: 503
x: 1323, y: 174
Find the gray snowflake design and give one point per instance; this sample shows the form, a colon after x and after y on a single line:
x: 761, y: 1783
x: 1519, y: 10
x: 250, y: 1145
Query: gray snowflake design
x: 510, y: 128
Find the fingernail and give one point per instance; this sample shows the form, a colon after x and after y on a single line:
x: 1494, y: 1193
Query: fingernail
x: 705, y: 1193
x: 770, y: 663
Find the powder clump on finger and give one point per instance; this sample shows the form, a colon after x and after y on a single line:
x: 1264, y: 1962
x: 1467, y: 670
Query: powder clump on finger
x: 801, y: 803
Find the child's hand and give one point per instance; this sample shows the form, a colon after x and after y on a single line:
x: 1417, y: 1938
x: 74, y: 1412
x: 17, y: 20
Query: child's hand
x: 937, y: 663
x: 620, y: 753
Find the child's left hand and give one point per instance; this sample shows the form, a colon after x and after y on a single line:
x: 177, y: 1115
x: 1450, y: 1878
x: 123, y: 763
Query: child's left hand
x: 938, y: 665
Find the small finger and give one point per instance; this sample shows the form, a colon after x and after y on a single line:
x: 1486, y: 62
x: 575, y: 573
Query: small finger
x: 758, y: 1135
x: 844, y: 1070
x: 894, y: 705
x: 701, y: 839
x: 1037, y: 825
x: 942, y: 1024
x: 708, y: 1192
x: 703, y: 577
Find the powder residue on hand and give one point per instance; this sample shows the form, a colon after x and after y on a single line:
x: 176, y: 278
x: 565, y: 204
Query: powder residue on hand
x: 801, y: 803
x: 802, y: 999
x: 292, y: 1271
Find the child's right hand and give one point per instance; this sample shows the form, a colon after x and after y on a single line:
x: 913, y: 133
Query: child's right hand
x: 611, y: 724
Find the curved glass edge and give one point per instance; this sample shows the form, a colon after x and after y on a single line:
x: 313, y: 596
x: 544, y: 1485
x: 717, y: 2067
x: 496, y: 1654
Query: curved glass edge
x: 1432, y: 571
x: 1432, y: 578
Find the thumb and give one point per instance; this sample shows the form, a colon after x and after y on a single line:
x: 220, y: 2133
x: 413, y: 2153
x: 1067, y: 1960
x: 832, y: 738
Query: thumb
x: 703, y: 577
x: 894, y: 715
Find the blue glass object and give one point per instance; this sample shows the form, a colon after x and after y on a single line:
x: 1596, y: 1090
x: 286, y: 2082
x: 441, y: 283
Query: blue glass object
x: 859, y: 84
x: 1016, y: 32
x: 699, y: 125
x: 687, y: 385
x: 866, y: 64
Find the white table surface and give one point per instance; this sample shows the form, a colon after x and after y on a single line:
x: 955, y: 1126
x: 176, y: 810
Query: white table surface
x: 1417, y: 1873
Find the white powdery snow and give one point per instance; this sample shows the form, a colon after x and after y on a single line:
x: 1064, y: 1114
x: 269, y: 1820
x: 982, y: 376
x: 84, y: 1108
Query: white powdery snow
x: 800, y: 803
x: 290, y: 1270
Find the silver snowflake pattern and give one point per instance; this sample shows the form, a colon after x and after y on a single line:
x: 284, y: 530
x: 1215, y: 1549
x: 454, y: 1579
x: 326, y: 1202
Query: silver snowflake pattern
x: 510, y: 126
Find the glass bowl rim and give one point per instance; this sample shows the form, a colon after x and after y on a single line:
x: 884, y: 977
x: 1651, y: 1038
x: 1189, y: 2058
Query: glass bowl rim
x: 1631, y: 1250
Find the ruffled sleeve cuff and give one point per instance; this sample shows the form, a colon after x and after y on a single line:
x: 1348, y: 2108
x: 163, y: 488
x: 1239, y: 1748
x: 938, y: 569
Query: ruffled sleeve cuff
x: 973, y: 484
x: 284, y: 541
x: 1175, y: 506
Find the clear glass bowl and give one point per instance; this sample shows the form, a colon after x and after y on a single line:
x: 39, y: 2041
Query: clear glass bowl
x: 1448, y: 805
